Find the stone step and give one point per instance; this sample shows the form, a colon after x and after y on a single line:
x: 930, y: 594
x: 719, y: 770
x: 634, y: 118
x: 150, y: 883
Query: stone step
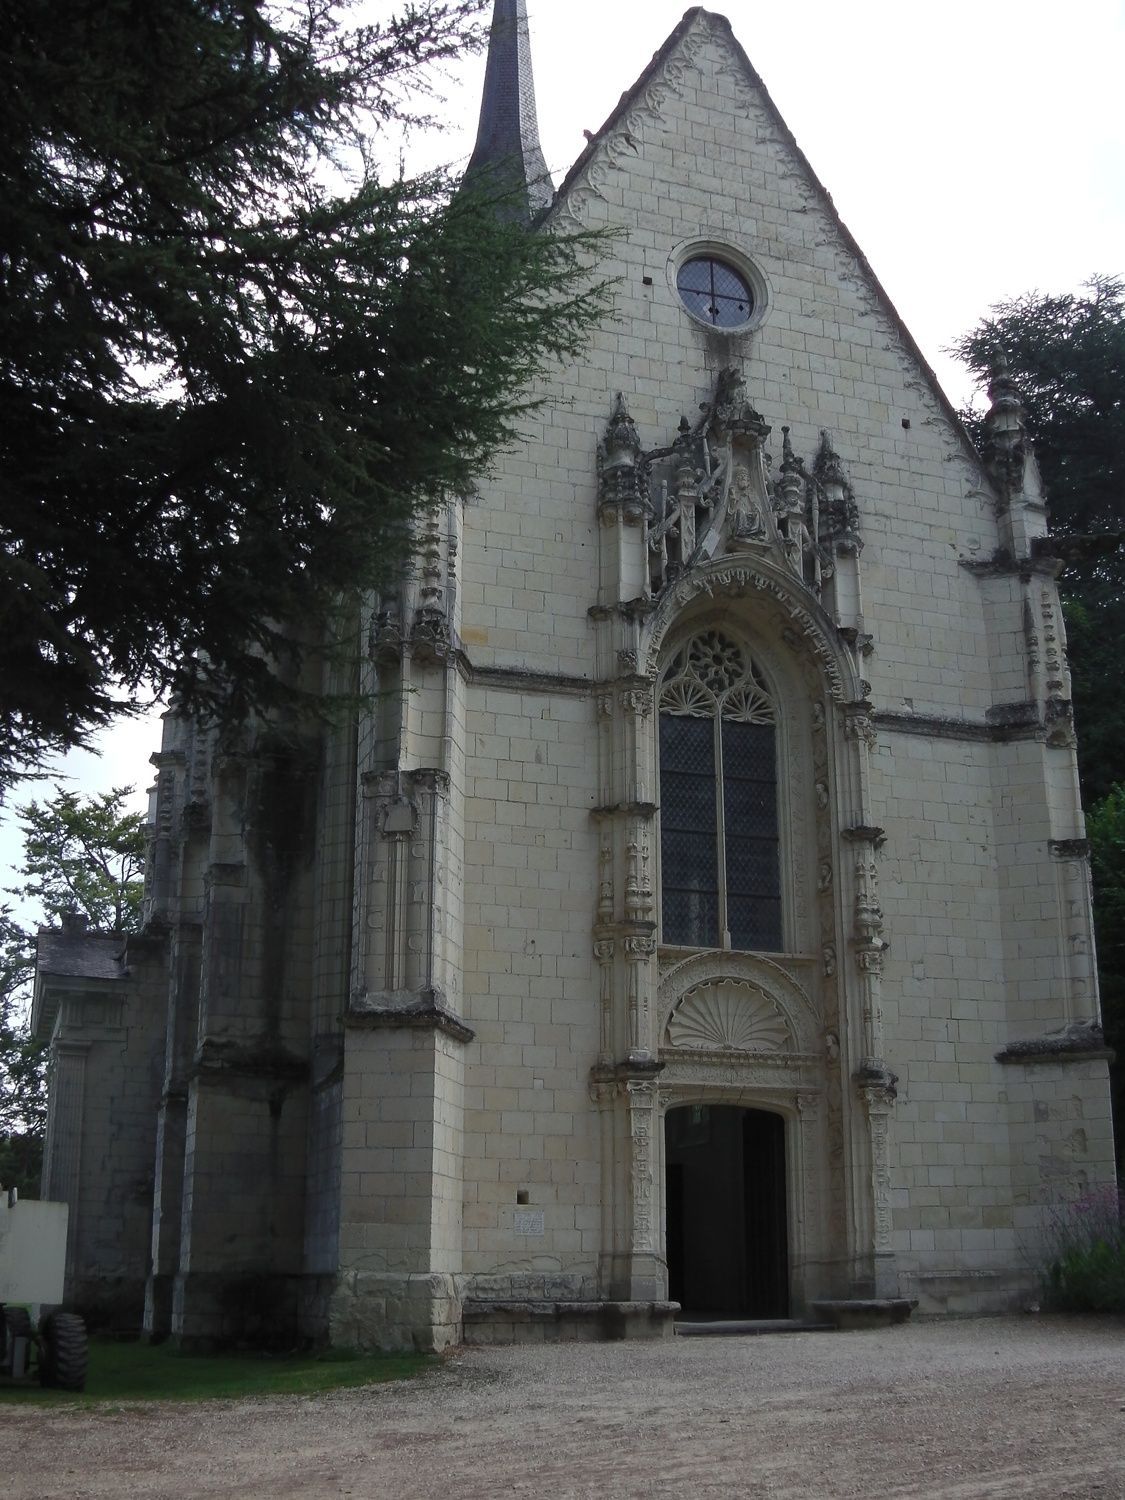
x: 535, y: 1320
x: 866, y: 1312
x: 740, y: 1327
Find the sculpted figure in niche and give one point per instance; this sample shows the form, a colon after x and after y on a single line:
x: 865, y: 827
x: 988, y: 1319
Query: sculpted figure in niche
x: 746, y: 518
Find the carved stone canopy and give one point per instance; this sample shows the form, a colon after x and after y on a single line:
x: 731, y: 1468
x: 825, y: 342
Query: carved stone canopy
x: 708, y: 493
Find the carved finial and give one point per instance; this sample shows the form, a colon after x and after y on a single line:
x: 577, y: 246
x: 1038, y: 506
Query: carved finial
x: 790, y: 486
x: 838, y: 512
x: 619, y: 480
x: 507, y: 157
x: 1004, y: 421
x: 1007, y: 448
x: 829, y: 466
x: 621, y: 444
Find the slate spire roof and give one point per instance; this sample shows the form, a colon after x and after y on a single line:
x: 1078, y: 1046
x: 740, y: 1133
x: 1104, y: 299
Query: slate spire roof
x: 507, y: 148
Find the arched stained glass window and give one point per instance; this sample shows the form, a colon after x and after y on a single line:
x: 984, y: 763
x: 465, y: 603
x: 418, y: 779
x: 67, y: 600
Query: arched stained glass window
x: 719, y: 864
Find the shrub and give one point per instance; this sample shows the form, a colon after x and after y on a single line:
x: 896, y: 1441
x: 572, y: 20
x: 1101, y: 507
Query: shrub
x: 1084, y: 1263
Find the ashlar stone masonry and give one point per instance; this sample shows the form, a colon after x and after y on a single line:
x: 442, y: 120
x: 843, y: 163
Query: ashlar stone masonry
x: 701, y: 914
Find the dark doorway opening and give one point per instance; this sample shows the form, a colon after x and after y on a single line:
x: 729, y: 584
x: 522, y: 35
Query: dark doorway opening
x: 727, y: 1242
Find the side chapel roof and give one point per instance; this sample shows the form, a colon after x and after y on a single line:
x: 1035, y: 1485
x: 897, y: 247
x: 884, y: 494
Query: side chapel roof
x: 75, y: 954
x: 71, y: 958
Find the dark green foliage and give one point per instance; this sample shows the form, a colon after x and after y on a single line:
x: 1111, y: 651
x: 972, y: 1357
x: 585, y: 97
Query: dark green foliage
x: 1084, y: 1267
x: 1105, y: 824
x: 1067, y: 356
x: 228, y: 387
x: 1095, y: 636
x: 21, y: 1157
x: 81, y: 855
x: 23, y: 1094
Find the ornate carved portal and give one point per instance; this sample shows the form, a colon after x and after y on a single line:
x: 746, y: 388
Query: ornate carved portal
x: 744, y: 613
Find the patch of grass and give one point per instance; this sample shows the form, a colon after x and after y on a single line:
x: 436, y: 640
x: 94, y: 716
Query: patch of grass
x: 147, y: 1372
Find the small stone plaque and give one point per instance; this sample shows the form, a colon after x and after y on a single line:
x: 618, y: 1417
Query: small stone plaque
x: 528, y: 1221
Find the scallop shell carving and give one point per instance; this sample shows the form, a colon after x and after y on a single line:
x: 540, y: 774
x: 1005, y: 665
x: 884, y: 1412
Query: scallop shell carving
x: 727, y: 1016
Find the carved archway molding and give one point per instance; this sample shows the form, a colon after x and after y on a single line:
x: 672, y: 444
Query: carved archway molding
x: 733, y: 1006
x: 733, y: 578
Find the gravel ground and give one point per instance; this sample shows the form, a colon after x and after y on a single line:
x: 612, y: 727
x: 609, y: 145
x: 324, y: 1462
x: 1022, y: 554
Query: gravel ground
x: 993, y: 1408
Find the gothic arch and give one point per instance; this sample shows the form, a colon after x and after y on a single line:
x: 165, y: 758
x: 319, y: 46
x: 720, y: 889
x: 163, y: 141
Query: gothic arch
x: 728, y: 585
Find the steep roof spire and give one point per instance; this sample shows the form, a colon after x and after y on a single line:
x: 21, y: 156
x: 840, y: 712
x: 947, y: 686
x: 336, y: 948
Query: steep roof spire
x: 507, y: 148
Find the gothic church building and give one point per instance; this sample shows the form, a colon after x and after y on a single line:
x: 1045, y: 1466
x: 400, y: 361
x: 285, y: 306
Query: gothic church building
x: 701, y: 916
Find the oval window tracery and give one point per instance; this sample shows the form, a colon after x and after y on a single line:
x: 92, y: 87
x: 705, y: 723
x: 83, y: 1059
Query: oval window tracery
x: 720, y: 867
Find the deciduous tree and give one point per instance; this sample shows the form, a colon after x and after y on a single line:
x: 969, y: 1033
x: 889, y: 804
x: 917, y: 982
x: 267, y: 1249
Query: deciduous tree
x: 82, y: 855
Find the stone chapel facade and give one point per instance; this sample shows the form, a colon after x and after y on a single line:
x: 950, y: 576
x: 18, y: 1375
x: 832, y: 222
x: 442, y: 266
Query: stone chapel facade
x: 702, y: 913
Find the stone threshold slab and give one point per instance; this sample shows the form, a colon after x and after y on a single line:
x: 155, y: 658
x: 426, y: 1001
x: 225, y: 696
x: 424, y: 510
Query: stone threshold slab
x: 745, y: 1327
x: 513, y: 1321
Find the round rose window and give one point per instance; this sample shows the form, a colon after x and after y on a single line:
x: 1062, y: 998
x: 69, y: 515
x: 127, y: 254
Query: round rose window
x: 715, y: 292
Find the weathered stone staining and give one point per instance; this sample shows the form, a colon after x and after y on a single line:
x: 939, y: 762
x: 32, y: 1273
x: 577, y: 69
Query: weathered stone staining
x: 700, y: 913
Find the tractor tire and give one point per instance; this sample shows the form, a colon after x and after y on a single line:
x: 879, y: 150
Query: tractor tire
x: 17, y: 1322
x: 62, y: 1352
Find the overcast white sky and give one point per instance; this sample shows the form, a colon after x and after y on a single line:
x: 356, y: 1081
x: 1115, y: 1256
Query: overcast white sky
x: 975, y: 149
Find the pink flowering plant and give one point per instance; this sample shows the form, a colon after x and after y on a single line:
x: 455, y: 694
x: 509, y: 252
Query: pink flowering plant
x: 1084, y: 1263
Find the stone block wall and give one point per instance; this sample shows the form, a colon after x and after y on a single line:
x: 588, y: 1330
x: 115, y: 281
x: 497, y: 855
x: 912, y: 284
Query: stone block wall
x: 400, y: 1190
x: 532, y: 1179
x: 104, y: 1084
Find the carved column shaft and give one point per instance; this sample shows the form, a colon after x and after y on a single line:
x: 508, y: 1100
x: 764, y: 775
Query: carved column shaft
x: 403, y: 890
x: 421, y: 895
x: 168, y: 799
x: 426, y: 945
x: 879, y: 1100
x: 623, y: 919
x: 1080, y: 978
x: 643, y: 1122
x: 869, y: 948
x: 604, y: 953
x: 640, y: 968
x: 808, y: 1204
x: 855, y: 788
x: 388, y: 824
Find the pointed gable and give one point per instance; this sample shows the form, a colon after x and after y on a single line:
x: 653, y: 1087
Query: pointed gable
x: 746, y: 184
